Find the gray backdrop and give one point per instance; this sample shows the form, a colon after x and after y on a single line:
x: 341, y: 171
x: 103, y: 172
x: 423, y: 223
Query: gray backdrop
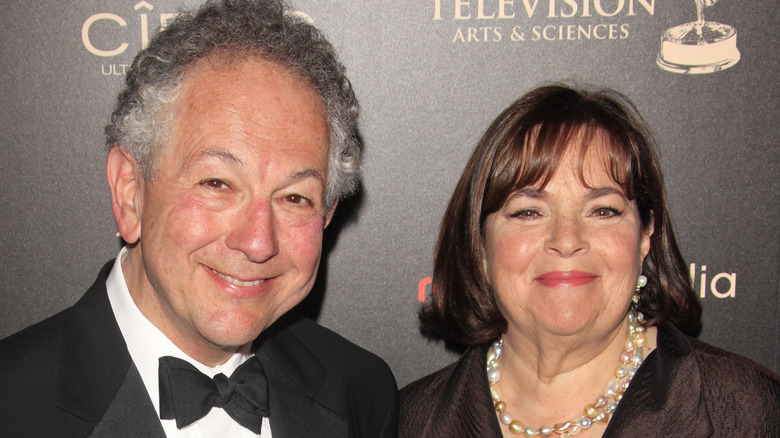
x: 430, y: 75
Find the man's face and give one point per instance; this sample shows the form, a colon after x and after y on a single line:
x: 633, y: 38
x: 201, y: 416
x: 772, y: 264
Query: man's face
x: 231, y: 224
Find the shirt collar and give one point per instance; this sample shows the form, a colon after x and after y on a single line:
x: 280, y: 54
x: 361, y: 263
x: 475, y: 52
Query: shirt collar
x: 146, y: 343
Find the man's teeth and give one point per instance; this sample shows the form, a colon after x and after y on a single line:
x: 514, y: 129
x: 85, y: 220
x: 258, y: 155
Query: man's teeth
x: 236, y: 281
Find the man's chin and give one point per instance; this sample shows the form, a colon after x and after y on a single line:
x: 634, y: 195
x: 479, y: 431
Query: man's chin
x: 236, y: 331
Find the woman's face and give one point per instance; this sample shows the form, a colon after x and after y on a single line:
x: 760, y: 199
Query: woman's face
x: 564, y: 259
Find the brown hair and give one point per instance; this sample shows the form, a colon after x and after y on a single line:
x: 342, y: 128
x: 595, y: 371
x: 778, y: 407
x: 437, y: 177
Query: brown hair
x: 522, y: 147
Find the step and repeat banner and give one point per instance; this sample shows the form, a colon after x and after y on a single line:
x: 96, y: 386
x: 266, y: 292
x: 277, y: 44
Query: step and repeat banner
x: 430, y: 76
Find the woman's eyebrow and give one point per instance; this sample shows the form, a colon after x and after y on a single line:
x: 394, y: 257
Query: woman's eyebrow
x: 529, y: 192
x: 598, y: 192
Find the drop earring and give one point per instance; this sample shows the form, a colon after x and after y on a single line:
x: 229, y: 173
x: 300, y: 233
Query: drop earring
x: 640, y: 283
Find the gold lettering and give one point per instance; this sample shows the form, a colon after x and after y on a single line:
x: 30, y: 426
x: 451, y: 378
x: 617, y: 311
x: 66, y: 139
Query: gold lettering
x: 600, y: 10
x: 502, y: 8
x: 649, y: 6
x: 481, y: 11
x: 458, y: 9
x: 529, y: 9
x: 573, y: 5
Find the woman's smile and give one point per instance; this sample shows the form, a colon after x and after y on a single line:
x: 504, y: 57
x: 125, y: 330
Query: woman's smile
x: 565, y: 279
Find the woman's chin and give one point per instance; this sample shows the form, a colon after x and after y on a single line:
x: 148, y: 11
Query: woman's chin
x: 564, y: 327
x: 566, y: 320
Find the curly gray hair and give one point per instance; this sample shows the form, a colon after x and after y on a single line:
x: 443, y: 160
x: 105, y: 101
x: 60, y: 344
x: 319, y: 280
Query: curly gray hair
x: 234, y: 29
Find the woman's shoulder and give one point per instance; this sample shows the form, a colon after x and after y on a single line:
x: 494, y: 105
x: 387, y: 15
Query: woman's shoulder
x: 427, y: 389
x: 738, y: 390
x: 453, y: 401
x: 719, y: 366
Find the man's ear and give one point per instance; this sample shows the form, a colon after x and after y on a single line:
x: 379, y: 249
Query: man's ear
x: 329, y: 216
x: 126, y: 184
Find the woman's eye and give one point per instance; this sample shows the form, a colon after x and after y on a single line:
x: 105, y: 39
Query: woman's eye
x: 605, y: 212
x: 527, y: 213
x: 214, y: 183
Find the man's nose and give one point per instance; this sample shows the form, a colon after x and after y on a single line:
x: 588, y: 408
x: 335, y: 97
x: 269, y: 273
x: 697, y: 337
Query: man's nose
x: 254, y: 232
x: 567, y: 236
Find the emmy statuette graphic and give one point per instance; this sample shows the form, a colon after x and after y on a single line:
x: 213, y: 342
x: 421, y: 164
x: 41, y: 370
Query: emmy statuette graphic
x: 700, y: 46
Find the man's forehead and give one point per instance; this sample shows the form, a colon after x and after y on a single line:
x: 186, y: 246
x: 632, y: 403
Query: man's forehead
x: 222, y: 64
x: 243, y: 85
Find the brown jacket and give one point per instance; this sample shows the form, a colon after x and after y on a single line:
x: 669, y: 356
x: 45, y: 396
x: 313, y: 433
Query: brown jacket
x: 685, y: 388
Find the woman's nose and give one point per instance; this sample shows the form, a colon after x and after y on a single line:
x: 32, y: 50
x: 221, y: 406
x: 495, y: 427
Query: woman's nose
x: 566, y: 237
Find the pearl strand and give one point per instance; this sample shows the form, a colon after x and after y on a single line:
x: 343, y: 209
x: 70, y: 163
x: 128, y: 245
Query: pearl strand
x: 598, y: 412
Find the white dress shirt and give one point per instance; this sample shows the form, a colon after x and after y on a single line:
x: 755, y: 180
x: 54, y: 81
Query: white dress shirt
x: 146, y: 344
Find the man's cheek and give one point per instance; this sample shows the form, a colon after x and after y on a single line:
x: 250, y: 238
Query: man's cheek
x: 189, y: 221
x: 306, y: 240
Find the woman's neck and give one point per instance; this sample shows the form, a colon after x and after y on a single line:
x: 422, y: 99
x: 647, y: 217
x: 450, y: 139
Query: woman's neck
x: 548, y: 379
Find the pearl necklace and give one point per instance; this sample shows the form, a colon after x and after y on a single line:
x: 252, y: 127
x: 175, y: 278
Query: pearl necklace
x: 598, y: 412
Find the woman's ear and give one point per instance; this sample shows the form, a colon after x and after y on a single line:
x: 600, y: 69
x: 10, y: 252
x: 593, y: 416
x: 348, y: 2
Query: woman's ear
x: 644, y: 244
x: 126, y: 184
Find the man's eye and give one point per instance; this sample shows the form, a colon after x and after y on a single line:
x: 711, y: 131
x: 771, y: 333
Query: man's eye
x: 296, y: 199
x: 527, y: 213
x: 214, y: 183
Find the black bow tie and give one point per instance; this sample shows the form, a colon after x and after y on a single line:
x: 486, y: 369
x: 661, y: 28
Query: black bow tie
x: 188, y: 395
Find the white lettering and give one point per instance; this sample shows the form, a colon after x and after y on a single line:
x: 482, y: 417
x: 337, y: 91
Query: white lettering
x: 85, y: 34
x: 731, y: 292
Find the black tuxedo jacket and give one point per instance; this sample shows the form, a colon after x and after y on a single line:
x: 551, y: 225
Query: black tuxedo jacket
x: 72, y: 376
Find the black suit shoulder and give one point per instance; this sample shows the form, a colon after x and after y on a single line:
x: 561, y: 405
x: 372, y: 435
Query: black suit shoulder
x: 58, y: 376
x: 32, y: 343
x: 359, y: 385
x: 338, y: 355
x: 29, y: 375
x: 26, y: 363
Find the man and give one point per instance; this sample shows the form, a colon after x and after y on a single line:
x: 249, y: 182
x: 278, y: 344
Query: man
x: 228, y: 151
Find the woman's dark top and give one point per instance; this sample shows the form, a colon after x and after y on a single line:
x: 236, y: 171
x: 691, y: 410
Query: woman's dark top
x: 685, y: 388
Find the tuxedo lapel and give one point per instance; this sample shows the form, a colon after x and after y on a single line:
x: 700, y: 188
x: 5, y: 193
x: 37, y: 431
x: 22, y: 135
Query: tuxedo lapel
x: 97, y: 376
x: 130, y: 413
x: 295, y: 378
x: 295, y: 414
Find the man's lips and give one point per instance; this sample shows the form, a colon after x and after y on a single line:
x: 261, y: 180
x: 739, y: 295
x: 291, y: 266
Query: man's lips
x: 236, y: 281
x: 565, y: 278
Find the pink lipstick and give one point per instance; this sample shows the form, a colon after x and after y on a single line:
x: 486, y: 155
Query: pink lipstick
x: 565, y: 278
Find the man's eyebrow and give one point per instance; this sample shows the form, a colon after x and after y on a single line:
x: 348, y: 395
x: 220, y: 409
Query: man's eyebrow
x: 308, y: 173
x: 220, y: 154
x: 598, y: 192
x: 229, y: 157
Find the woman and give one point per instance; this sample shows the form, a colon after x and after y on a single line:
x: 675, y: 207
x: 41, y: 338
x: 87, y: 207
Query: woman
x: 558, y: 268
